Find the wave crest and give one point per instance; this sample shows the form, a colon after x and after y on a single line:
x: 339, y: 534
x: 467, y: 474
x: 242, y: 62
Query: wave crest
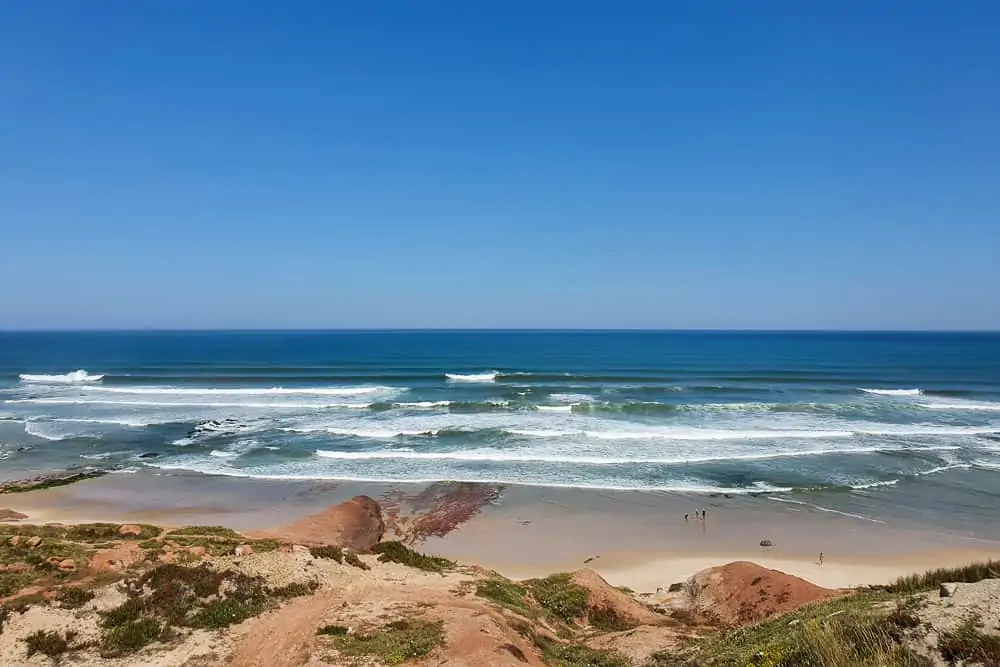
x: 79, y: 376
x: 490, y: 376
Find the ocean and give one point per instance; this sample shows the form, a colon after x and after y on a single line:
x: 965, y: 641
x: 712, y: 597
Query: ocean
x: 787, y: 415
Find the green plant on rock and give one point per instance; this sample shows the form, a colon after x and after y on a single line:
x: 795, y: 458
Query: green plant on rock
x: 394, y: 643
x: 397, y: 552
x: 560, y: 596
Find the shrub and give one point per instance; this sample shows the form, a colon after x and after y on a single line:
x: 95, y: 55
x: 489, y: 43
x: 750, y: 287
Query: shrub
x: 332, y: 630
x: 51, y: 644
x: 352, y: 559
x: 397, y: 552
x: 73, y: 597
x: 559, y: 595
x: 395, y: 643
x: 328, y: 551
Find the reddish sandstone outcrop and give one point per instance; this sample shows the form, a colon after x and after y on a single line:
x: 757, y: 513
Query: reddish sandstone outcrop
x: 602, y: 596
x: 741, y: 593
x: 355, y: 525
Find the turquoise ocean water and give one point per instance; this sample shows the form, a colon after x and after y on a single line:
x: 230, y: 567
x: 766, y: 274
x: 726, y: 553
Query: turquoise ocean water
x: 789, y: 415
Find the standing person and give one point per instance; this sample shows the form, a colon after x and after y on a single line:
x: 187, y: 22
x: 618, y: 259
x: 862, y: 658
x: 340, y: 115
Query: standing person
x: 685, y: 518
x: 820, y: 557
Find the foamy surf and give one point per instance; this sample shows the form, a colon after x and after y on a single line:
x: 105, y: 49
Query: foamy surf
x: 472, y: 377
x: 248, y: 391
x: 892, y: 392
x: 75, y: 377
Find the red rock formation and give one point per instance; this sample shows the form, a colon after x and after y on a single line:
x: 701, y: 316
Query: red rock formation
x: 355, y: 525
x: 742, y: 593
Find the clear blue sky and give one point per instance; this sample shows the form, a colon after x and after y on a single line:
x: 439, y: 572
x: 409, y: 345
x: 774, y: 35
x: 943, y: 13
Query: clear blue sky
x: 505, y: 164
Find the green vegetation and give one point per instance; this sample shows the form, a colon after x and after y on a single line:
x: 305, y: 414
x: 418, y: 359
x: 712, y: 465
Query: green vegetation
x: 507, y: 594
x: 332, y: 630
x: 931, y: 579
x: 218, y: 531
x: 73, y: 597
x: 578, y: 655
x: 219, y: 545
x: 171, y: 595
x: 395, y: 643
x: 130, y: 636
x: 352, y: 559
x: 328, y: 551
x: 852, y: 631
x: 397, y: 552
x: 560, y: 596
x: 608, y: 620
x: 967, y: 644
x: 51, y: 644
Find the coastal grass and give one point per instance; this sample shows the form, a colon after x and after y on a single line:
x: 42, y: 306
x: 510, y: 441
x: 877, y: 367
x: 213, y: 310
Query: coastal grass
x: 73, y: 597
x: 507, y: 594
x: 558, y: 595
x: 173, y: 596
x: 332, y: 630
x: 50, y: 643
x: 397, y: 552
x: 218, y: 531
x: 329, y: 552
x: 931, y: 579
x: 394, y: 643
x: 856, y: 630
x: 968, y: 644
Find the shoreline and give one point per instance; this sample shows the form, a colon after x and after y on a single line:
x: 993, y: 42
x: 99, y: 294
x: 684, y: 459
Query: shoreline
x: 634, y: 539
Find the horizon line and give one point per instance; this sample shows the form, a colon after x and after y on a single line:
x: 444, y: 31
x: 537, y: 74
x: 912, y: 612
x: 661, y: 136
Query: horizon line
x: 484, y: 330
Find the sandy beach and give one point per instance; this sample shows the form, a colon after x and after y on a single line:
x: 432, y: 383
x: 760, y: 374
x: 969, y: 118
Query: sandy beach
x: 638, y: 540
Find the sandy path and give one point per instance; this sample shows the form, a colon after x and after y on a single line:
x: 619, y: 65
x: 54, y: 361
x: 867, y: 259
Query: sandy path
x: 282, y: 638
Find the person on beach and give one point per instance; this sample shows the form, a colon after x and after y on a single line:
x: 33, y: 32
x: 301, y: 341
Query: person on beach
x: 820, y: 557
x: 685, y: 518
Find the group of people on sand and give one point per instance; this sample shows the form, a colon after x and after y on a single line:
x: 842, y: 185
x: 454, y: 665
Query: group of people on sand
x: 698, y: 514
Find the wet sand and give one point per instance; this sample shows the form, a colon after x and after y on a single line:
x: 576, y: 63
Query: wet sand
x: 635, y: 539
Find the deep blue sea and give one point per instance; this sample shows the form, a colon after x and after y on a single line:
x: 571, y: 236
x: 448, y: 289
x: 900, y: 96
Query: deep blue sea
x: 779, y: 413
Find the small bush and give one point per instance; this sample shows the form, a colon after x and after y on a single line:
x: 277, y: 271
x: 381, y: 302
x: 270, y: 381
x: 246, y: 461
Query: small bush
x: 216, y: 531
x: 332, y: 630
x: 968, y: 644
x: 397, y: 552
x: 73, y: 597
x: 578, y: 655
x: 395, y: 643
x: 352, y: 559
x: 608, y: 620
x: 51, y: 644
x: 506, y: 594
x: 559, y: 595
x: 328, y: 551
x: 130, y: 637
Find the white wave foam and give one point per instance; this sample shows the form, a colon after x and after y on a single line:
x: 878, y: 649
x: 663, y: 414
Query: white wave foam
x: 472, y: 377
x: 823, y: 509
x: 74, y: 377
x: 279, y: 405
x: 964, y: 405
x: 759, y: 487
x: 554, y: 408
x: 950, y: 466
x: 572, y: 398
x: 249, y: 391
x: 137, y: 423
x: 424, y: 404
x: 872, y: 485
x: 494, y: 456
x: 892, y: 392
x: 679, y: 433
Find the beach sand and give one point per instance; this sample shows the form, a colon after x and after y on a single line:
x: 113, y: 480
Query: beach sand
x: 635, y: 539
